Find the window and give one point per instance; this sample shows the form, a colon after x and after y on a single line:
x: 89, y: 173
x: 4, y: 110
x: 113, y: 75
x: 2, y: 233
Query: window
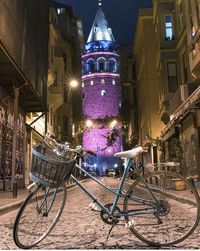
x: 55, y: 78
x: 168, y: 28
x: 112, y: 65
x: 103, y: 93
x: 184, y: 58
x: 95, y: 29
x: 102, y: 81
x: 65, y: 61
x: 90, y: 65
x: 172, y: 77
x: 113, y: 82
x: 61, y: 11
x: 101, y: 64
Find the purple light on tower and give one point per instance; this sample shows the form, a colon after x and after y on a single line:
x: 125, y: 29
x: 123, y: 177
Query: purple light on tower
x: 101, y: 93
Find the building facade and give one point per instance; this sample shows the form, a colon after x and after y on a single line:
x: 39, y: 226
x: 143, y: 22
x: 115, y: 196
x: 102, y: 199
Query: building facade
x: 148, y: 84
x: 35, y: 97
x: 178, y: 23
x: 101, y: 95
x: 23, y: 78
x: 175, y: 43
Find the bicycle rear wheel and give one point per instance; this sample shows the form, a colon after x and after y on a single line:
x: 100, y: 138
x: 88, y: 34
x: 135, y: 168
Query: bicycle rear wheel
x: 38, y: 215
x: 172, y: 218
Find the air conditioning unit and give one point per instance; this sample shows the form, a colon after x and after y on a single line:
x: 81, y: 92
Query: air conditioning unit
x: 184, y: 92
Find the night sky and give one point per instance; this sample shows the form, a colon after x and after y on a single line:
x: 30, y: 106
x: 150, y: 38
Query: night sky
x: 120, y: 14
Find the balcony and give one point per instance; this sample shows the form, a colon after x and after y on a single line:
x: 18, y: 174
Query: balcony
x: 51, y: 76
x: 56, y: 96
x: 175, y: 101
x: 194, y: 54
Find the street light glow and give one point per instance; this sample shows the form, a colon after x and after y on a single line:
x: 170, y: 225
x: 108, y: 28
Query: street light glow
x: 73, y: 83
x: 88, y: 123
x: 113, y: 123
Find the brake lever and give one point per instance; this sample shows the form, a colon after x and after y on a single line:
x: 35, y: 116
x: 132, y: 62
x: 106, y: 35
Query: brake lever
x: 90, y: 153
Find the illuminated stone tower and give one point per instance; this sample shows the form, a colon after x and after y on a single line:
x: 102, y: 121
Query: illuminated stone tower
x: 101, y: 95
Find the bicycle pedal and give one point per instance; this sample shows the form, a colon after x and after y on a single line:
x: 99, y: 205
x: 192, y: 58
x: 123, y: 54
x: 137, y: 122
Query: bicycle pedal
x: 130, y: 224
x: 93, y: 207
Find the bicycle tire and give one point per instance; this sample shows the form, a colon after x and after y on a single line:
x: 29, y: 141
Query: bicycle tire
x: 38, y: 215
x: 180, y: 214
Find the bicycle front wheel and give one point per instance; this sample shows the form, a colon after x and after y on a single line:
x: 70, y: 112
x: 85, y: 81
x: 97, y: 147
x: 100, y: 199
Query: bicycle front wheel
x: 165, y: 214
x: 38, y: 215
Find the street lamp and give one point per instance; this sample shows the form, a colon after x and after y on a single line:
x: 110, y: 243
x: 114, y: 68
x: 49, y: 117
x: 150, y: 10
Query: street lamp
x: 113, y: 123
x: 73, y: 83
x: 89, y: 123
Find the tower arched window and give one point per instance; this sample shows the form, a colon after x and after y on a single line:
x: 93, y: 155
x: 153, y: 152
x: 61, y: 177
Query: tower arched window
x: 90, y: 65
x: 103, y: 92
x: 112, y: 65
x: 101, y: 64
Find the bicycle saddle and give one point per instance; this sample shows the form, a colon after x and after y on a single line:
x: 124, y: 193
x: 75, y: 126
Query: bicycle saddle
x: 130, y: 153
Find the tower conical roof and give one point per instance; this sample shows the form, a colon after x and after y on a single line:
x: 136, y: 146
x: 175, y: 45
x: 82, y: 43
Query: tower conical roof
x: 100, y: 30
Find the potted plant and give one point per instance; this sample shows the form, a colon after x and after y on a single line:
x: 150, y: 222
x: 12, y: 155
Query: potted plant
x: 176, y: 155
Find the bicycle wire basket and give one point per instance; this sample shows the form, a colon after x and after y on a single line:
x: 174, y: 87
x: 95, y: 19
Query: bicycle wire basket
x: 49, y: 169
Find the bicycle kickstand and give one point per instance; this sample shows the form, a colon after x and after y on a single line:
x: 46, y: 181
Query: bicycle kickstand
x: 104, y: 245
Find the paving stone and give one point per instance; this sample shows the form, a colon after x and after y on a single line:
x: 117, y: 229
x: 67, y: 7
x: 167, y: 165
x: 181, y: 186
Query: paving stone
x: 81, y: 228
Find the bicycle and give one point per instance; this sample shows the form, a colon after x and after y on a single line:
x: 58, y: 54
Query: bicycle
x: 153, y: 210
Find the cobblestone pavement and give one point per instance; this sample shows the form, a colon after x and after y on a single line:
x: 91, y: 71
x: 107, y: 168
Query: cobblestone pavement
x: 80, y: 228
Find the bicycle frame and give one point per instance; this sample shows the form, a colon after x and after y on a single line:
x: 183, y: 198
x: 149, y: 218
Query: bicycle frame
x: 118, y: 193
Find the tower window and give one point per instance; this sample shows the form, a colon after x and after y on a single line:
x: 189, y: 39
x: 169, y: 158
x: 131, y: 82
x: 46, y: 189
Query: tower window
x: 90, y: 65
x: 103, y: 93
x: 112, y: 65
x: 91, y: 82
x: 168, y: 27
x: 102, y: 81
x: 101, y: 64
x: 113, y: 82
x: 95, y: 29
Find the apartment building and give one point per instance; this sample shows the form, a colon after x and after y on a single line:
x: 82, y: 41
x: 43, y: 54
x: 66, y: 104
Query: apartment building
x: 176, y: 25
x: 23, y: 78
x: 148, y: 81
x: 37, y: 62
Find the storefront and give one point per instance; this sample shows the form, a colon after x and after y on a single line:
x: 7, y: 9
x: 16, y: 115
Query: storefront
x: 182, y: 136
x: 6, y: 143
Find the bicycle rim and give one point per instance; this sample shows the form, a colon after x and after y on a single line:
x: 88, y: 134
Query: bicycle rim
x: 38, y: 215
x: 178, y: 217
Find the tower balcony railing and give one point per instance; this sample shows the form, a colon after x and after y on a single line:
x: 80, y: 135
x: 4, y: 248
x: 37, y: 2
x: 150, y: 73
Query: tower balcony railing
x: 91, y: 50
x: 100, y: 71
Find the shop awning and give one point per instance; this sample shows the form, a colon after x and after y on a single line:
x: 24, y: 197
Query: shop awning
x: 190, y: 104
x: 11, y: 74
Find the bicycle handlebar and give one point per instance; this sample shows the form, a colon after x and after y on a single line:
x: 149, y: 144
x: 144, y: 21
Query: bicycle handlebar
x: 63, y: 149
